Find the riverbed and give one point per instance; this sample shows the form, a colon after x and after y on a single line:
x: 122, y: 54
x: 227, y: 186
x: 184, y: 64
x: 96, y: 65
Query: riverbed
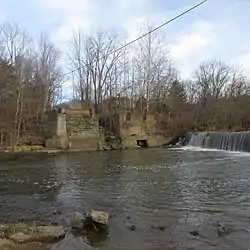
x: 157, y: 198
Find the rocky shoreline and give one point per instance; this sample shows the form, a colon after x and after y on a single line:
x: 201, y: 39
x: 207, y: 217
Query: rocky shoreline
x: 16, y: 155
x: 28, y: 236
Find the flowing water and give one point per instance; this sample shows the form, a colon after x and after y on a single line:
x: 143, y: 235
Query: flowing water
x: 165, y: 193
x: 231, y: 141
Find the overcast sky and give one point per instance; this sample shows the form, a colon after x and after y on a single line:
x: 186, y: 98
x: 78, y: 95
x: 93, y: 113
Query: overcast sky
x: 218, y: 29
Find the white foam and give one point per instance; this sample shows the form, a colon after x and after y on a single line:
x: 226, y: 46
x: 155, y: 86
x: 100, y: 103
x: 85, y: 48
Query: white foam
x: 236, y: 153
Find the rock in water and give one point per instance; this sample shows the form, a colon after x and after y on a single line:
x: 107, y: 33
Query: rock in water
x: 97, y: 217
x: 161, y: 228
x: 49, y: 233
x: 91, y: 219
x: 21, y: 237
x: 221, y: 229
x: 194, y: 233
x: 6, y: 244
x: 72, y: 243
x: 78, y: 221
x: 10, y: 245
x: 43, y: 234
x: 132, y: 227
x: 22, y: 233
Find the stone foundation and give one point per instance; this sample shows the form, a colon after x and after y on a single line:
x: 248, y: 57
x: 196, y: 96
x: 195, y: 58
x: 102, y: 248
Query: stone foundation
x: 131, y: 141
x: 86, y: 143
x: 79, y: 130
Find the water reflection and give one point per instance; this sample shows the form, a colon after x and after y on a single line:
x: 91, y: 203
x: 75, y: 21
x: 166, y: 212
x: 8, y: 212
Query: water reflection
x: 165, y: 194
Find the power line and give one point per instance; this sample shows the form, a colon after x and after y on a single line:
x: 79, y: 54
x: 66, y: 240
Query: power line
x: 142, y: 36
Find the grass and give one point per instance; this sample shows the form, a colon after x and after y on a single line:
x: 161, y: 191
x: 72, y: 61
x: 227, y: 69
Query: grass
x: 12, y: 228
x: 24, y: 148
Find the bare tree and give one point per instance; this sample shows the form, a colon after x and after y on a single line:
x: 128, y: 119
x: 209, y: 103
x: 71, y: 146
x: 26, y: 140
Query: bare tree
x: 15, y: 46
x: 212, y: 78
x: 30, y: 81
x: 215, y: 86
x: 79, y: 58
x: 95, y: 58
x: 48, y: 72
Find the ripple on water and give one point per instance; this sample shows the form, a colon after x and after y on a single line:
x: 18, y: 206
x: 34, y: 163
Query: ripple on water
x: 181, y: 190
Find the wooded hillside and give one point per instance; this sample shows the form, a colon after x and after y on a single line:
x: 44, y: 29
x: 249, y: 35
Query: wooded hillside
x: 141, y: 78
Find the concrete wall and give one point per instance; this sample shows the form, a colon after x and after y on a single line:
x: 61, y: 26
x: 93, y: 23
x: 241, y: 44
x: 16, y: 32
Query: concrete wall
x: 74, y: 129
x: 137, y: 129
x: 50, y: 124
x: 61, y: 129
x: 90, y: 143
x: 55, y: 130
x: 81, y: 124
x: 79, y: 130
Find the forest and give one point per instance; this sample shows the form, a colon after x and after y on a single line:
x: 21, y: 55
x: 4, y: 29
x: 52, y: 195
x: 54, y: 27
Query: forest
x: 142, y: 78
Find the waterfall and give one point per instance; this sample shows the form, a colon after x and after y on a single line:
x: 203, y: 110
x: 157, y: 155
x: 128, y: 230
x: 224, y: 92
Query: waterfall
x: 232, y: 141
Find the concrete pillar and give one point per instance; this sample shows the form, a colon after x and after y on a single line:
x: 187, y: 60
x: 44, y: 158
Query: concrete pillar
x: 61, y: 128
x: 57, y: 131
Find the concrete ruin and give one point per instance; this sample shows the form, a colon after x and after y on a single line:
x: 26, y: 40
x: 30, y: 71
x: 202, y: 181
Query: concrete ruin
x: 71, y: 129
x: 80, y: 130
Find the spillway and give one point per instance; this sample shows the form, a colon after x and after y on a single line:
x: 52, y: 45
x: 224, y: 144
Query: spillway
x: 231, y: 141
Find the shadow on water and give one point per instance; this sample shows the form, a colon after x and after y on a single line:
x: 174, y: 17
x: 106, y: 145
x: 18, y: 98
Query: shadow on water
x: 94, y: 238
x: 157, y: 198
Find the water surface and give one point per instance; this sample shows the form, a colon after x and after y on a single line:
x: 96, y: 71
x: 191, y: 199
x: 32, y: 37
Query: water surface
x: 177, y: 190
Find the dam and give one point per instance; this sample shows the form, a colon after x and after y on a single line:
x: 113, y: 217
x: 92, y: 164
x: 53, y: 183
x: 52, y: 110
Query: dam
x: 230, y: 141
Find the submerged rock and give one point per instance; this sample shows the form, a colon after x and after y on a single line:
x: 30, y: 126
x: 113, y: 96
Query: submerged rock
x: 57, y: 212
x: 179, y: 140
x: 161, y: 228
x: 91, y: 219
x: 221, y: 229
x: 194, y: 233
x: 78, y: 221
x: 49, y: 233
x: 97, y: 217
x: 6, y: 244
x: 71, y: 242
x: 20, y: 237
x: 131, y: 227
x: 22, y: 233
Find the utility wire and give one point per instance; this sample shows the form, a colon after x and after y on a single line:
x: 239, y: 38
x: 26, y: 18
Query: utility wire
x: 142, y: 36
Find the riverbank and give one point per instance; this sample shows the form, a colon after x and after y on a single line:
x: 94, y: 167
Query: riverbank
x: 17, y: 236
x: 28, y: 149
x: 29, y: 155
x: 17, y: 154
x: 20, y: 152
x: 21, y: 236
